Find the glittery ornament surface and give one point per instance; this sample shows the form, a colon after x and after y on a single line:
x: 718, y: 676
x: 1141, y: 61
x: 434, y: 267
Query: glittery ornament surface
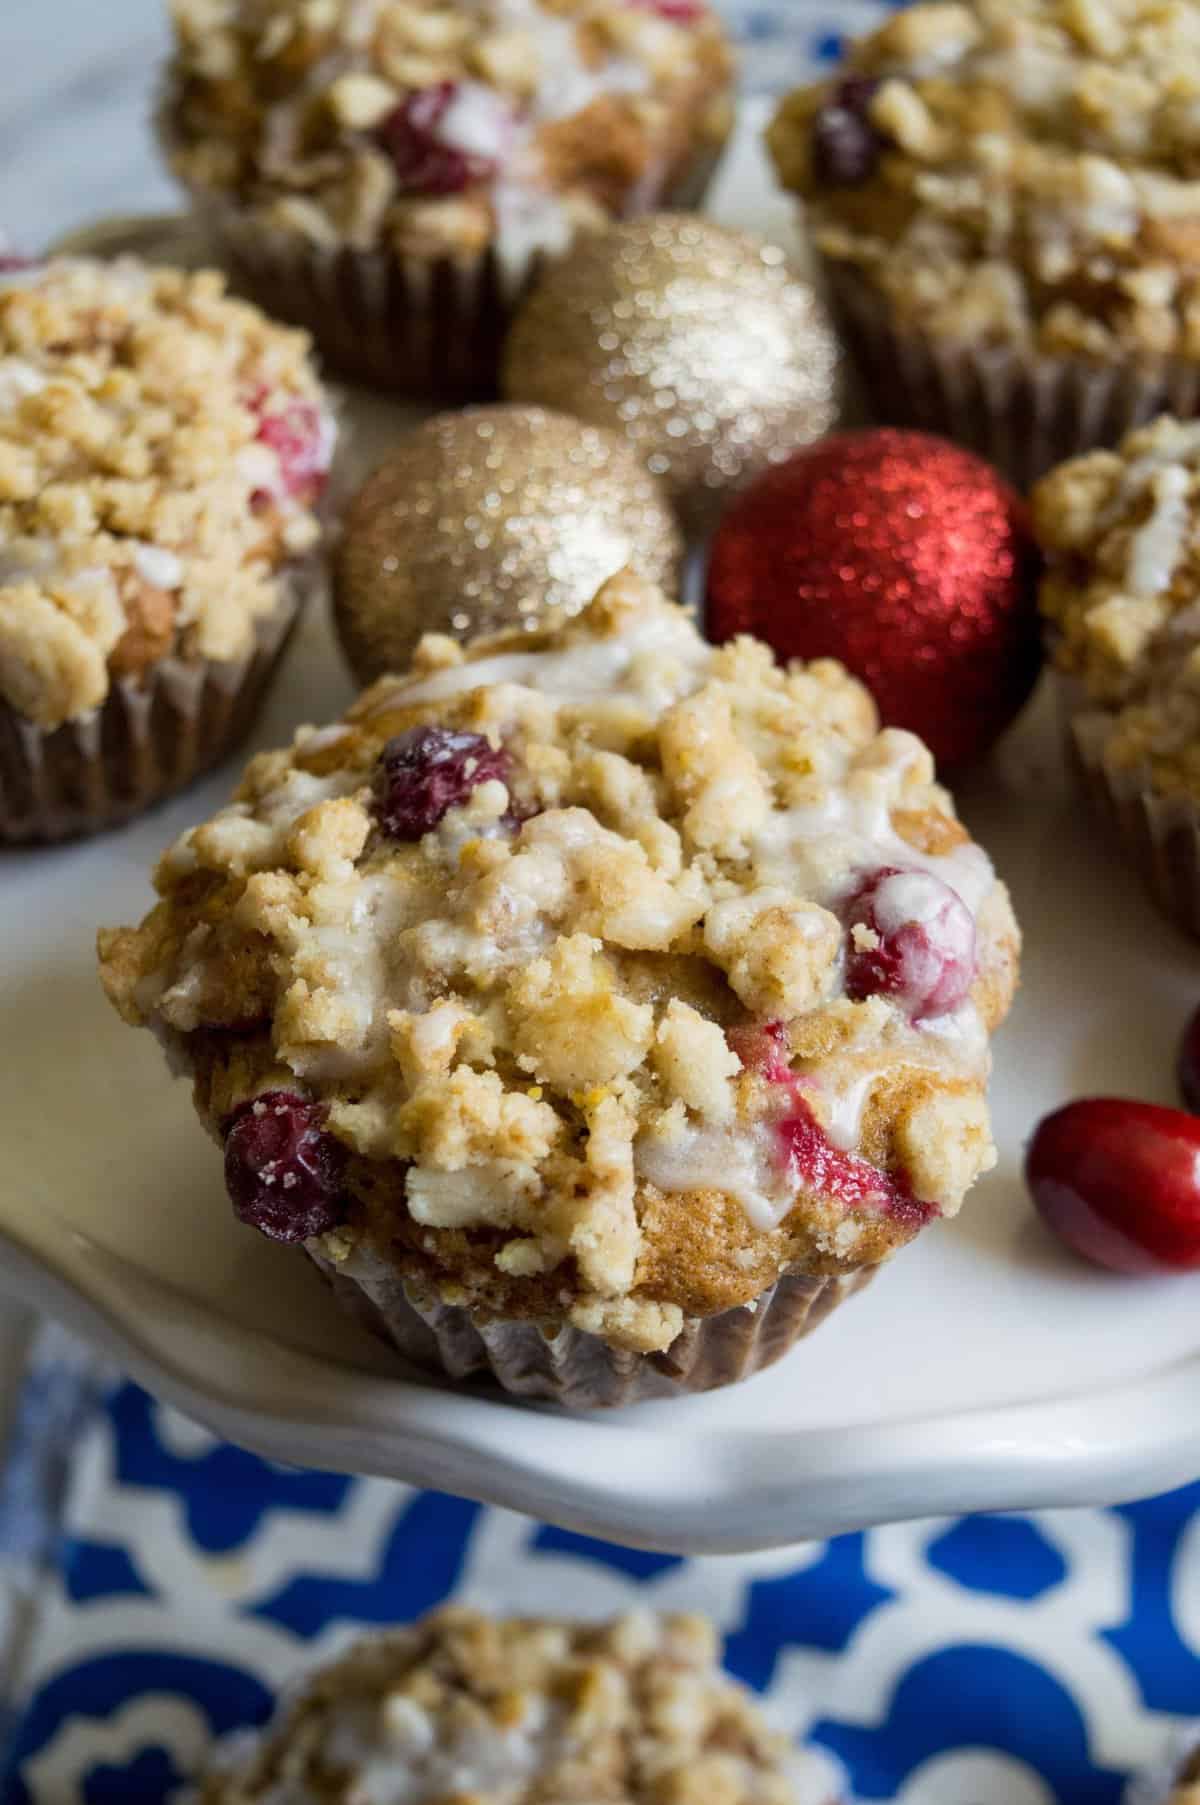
x: 701, y: 345
x: 905, y: 557
x: 493, y: 518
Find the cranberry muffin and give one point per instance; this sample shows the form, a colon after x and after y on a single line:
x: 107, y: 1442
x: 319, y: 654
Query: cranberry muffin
x: 162, y: 449
x: 391, y: 175
x: 597, y: 1007
x: 1121, y: 600
x: 463, y: 1707
x: 1003, y: 196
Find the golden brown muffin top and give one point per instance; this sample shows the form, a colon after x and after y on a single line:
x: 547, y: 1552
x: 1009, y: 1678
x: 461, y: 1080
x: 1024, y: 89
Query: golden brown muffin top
x: 161, y: 449
x: 428, y: 125
x: 1015, y: 171
x: 1121, y: 530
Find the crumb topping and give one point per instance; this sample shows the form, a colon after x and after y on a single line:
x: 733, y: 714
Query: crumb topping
x: 161, y: 449
x: 1121, y: 530
x: 463, y: 1708
x: 426, y: 124
x: 592, y: 1003
x: 1015, y: 171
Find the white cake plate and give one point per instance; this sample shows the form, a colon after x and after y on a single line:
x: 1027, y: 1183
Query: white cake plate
x: 986, y: 1369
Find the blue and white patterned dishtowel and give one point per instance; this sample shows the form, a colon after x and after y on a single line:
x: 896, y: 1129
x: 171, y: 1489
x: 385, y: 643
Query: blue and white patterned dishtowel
x: 162, y: 1586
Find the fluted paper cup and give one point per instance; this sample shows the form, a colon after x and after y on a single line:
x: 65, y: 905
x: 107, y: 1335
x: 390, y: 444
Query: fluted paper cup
x: 568, y: 1366
x: 1159, y: 834
x: 1022, y: 411
x: 425, y: 328
x: 150, y: 737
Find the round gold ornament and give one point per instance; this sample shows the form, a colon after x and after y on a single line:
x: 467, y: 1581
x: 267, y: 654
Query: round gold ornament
x: 702, y: 346
x: 492, y: 518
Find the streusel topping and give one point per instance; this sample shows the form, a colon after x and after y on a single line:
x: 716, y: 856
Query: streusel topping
x: 467, y: 1710
x: 428, y: 124
x: 628, y: 969
x: 1121, y: 530
x: 161, y: 448
x: 1016, y: 171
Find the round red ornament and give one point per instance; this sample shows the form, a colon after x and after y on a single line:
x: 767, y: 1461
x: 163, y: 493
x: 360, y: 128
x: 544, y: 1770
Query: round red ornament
x: 907, y: 558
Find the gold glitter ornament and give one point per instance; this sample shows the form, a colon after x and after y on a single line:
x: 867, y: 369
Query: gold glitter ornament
x: 701, y: 345
x: 488, y: 519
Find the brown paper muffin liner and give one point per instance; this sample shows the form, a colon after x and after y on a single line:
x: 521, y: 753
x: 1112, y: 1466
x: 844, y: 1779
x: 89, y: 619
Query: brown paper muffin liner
x: 150, y: 737
x: 1159, y: 834
x: 1023, y: 412
x: 575, y: 1369
x: 429, y: 329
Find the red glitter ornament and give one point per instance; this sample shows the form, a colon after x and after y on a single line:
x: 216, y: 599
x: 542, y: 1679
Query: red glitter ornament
x: 905, y: 557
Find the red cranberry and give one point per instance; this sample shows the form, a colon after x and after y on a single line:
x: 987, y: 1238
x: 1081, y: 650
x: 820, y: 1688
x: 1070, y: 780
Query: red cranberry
x: 819, y: 1166
x: 925, y: 956
x: 426, y: 772
x: 296, y: 435
x: 845, y: 145
x: 283, y: 1172
x: 1189, y: 1064
x: 1120, y: 1183
x: 423, y: 163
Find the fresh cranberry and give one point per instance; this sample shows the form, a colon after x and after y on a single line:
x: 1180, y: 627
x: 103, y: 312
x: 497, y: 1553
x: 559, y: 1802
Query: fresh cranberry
x: 423, y: 162
x: 1189, y: 1064
x: 426, y: 772
x: 283, y: 1172
x: 924, y: 954
x: 814, y: 1162
x: 1120, y: 1183
x: 846, y: 146
x: 297, y: 438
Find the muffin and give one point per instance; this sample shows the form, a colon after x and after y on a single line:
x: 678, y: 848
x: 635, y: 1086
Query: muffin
x: 392, y: 176
x: 463, y: 1707
x: 1121, y: 600
x: 597, y: 1007
x: 1003, y: 198
x: 162, y: 449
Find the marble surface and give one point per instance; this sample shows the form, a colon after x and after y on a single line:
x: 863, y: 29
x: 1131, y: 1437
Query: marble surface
x: 75, y: 91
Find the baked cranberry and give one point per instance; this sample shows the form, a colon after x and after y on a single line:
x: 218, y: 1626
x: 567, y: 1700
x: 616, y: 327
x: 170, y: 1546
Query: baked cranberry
x: 845, y: 145
x: 427, y: 771
x: 1189, y: 1064
x: 298, y: 438
x: 423, y: 161
x: 1120, y: 1183
x: 814, y: 1162
x: 283, y: 1172
x: 804, y: 1149
x: 763, y: 1050
x: 923, y: 953
x: 678, y: 12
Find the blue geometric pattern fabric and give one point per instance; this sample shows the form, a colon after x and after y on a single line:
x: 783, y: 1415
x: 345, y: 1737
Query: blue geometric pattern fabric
x: 986, y: 1661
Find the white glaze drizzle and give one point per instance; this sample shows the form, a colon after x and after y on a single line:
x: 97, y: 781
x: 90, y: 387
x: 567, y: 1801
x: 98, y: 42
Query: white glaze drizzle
x: 1158, y: 545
